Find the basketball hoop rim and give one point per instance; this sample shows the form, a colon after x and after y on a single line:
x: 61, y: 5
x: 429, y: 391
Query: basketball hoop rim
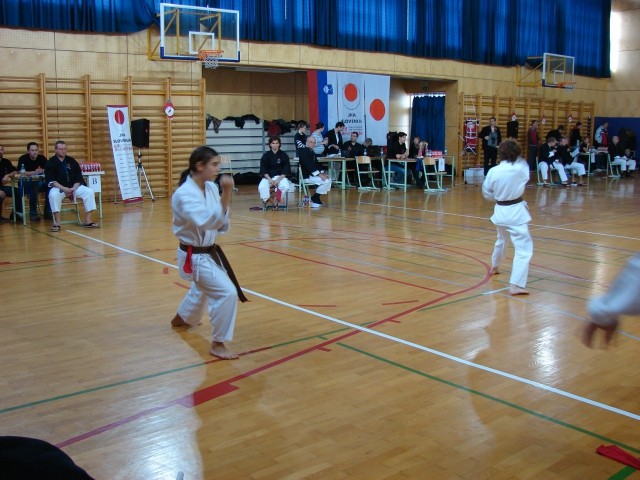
x: 565, y: 85
x: 204, y: 54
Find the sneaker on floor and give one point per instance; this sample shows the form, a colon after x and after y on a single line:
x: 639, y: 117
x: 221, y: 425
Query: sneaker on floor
x: 34, y: 218
x: 315, y: 205
x: 574, y: 184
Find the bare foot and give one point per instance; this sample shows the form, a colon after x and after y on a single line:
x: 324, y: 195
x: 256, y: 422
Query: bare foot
x: 516, y: 290
x: 177, y: 321
x: 494, y: 271
x: 219, y: 350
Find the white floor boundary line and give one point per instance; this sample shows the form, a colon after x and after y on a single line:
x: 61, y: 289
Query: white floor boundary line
x: 542, y: 227
x: 407, y: 343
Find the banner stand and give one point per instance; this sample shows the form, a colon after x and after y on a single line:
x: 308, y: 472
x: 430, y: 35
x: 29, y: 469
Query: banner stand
x: 126, y: 169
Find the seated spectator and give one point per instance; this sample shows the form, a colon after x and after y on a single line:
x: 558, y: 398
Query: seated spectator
x: 8, y: 171
x: 618, y: 157
x: 414, y: 147
x: 367, y: 145
x: 414, y: 152
x: 569, y: 158
x: 274, y: 171
x: 34, y: 164
x: 352, y: 148
x: 64, y: 178
x: 321, y: 142
x: 313, y: 173
x: 548, y: 158
x: 369, y: 149
x: 398, y: 150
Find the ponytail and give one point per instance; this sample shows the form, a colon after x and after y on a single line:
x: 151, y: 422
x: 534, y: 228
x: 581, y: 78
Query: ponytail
x: 183, y: 176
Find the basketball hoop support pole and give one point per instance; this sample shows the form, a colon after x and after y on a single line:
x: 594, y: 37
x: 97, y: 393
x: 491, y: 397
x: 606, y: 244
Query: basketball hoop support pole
x: 143, y: 174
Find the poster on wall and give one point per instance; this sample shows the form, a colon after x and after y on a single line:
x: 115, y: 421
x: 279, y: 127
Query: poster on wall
x: 123, y: 157
x: 360, y: 101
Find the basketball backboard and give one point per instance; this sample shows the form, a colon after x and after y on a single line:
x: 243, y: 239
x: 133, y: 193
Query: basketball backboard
x: 550, y: 70
x: 557, y: 71
x: 186, y: 30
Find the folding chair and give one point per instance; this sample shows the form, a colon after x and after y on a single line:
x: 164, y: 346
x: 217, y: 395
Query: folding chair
x: 70, y: 206
x: 225, y: 167
x: 450, y: 160
x: 304, y: 185
x: 614, y: 170
x: 282, y: 203
x: 385, y: 173
x: 363, y: 167
x: 551, y: 170
x: 430, y: 170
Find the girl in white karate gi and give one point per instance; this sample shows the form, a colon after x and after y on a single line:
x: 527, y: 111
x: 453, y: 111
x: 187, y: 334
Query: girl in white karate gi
x: 505, y: 184
x: 199, y: 214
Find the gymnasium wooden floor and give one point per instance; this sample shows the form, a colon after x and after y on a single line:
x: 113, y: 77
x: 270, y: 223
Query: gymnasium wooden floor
x: 374, y: 345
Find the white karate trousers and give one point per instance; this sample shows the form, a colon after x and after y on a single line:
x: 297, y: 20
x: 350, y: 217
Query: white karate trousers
x: 263, y: 188
x: 557, y: 165
x: 323, y: 185
x: 211, y: 286
x: 83, y: 193
x: 523, y: 246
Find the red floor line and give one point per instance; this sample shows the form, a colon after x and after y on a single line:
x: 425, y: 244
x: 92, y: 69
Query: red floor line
x: 353, y: 270
x: 222, y: 388
x: 110, y: 426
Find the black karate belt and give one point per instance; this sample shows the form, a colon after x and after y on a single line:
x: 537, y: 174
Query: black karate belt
x: 219, y: 257
x: 501, y: 202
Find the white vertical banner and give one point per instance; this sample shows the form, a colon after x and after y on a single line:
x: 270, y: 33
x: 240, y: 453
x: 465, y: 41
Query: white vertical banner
x: 119, y: 127
x: 350, y: 96
x: 376, y: 98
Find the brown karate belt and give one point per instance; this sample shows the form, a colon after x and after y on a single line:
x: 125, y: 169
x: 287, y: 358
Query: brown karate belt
x: 510, y: 202
x: 219, y: 257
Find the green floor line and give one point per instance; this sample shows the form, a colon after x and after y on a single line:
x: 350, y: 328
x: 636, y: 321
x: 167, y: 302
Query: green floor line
x: 96, y: 389
x: 626, y: 472
x: 322, y: 336
x: 492, y: 398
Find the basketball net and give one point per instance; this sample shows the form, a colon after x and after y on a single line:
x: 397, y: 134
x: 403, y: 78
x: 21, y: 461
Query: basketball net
x: 210, y: 58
